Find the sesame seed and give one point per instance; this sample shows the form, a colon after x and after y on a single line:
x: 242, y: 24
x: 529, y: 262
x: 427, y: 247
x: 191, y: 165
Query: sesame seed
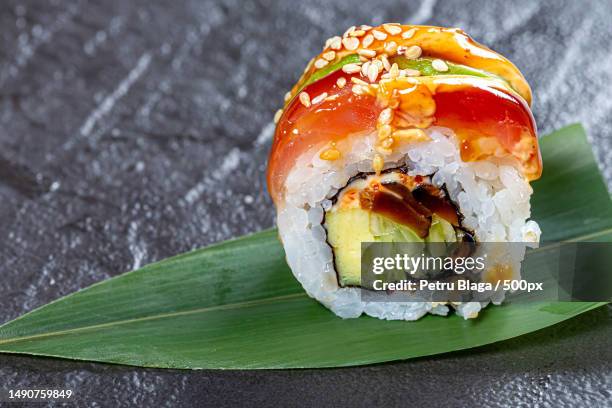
x: 392, y: 29
x: 350, y: 43
x: 363, y: 59
x: 351, y: 68
x: 320, y: 63
x: 378, y: 63
x: 332, y: 97
x: 357, y: 33
x: 378, y: 163
x: 305, y: 99
x: 341, y: 82
x: 365, y: 27
x: 349, y: 31
x: 295, y: 131
x: 278, y: 115
x: 439, y: 65
x: 413, y: 52
x: 358, y: 90
x: 330, y: 154
x: 367, y: 40
x: 373, y: 72
x: 408, y: 34
x: 319, y: 98
x: 329, y: 56
x: 385, y: 116
x: 394, y: 71
x: 410, y: 72
x: 365, y: 67
x: 358, y: 81
x: 391, y: 47
x: 379, y: 35
x: 335, y: 43
x: 366, y: 53
x: 385, y: 62
x: 287, y: 96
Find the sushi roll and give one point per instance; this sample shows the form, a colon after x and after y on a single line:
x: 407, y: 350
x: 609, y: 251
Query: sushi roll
x: 400, y: 133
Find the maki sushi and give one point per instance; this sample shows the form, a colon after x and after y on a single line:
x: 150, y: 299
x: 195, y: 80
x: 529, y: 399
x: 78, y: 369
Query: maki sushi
x: 400, y: 133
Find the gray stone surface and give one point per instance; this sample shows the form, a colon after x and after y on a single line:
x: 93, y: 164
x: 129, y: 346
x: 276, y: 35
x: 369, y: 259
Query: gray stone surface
x: 132, y: 131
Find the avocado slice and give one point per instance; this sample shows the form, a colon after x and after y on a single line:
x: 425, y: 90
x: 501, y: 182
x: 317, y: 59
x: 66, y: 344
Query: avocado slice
x: 347, y: 228
x: 424, y: 65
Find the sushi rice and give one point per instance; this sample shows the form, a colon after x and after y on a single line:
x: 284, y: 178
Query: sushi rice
x: 492, y: 196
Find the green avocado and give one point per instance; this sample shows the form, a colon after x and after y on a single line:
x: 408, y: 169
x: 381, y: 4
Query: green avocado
x: 348, y: 228
x: 420, y: 64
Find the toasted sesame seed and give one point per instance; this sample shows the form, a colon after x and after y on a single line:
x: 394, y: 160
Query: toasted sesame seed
x: 385, y: 116
x: 320, y: 63
x: 365, y: 27
x: 367, y: 40
x: 351, y: 43
x: 408, y: 34
x: 358, y: 90
x: 366, y: 53
x: 330, y: 154
x: 305, y: 99
x: 357, y: 33
x: 385, y: 62
x: 394, y: 71
x: 363, y: 59
x: 439, y: 65
x: 358, y: 81
x: 391, y: 47
x: 378, y: 163
x: 410, y: 72
x: 335, y: 43
x: 329, y: 56
x: 373, y: 71
x: 309, y: 65
x: 379, y: 35
x: 287, y: 96
x: 349, y: 31
x: 413, y: 52
x: 319, y: 98
x: 351, y: 68
x: 392, y: 29
x: 365, y: 67
x: 341, y: 82
x: 278, y: 115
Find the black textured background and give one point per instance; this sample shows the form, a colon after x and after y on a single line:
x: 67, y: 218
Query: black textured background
x: 134, y: 130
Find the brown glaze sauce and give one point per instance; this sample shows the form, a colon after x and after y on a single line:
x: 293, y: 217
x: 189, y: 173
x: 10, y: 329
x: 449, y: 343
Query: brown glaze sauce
x: 437, y: 202
x: 411, y: 208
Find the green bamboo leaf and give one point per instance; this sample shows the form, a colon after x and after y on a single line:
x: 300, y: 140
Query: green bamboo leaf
x: 236, y: 304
